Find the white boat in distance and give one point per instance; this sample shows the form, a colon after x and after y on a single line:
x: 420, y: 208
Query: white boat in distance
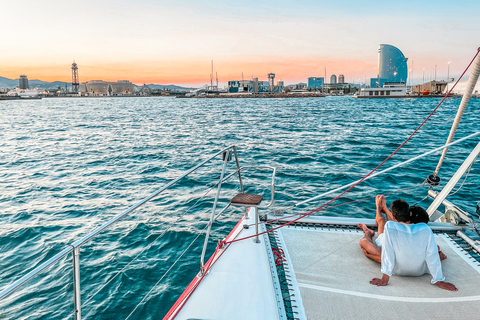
x: 389, y: 90
x: 24, y: 93
x: 278, y: 266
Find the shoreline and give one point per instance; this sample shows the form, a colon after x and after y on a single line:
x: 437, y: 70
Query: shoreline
x: 261, y: 95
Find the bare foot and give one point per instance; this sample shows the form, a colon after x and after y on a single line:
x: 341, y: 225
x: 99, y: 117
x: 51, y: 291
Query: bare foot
x: 368, y: 232
x: 446, y: 286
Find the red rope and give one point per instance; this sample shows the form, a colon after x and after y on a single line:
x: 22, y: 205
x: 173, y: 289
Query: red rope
x: 280, y: 256
x: 381, y: 164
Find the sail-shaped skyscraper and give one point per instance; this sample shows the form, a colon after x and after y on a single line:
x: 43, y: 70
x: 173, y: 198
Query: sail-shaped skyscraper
x: 392, y: 66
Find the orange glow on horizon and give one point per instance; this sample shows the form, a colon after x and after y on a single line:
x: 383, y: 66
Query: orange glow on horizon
x: 289, y: 69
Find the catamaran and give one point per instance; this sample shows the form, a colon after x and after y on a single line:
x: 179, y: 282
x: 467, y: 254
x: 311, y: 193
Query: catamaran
x: 277, y: 265
x: 309, y: 267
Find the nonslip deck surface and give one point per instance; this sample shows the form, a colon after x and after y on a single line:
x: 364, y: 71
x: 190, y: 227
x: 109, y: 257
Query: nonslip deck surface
x: 333, y: 275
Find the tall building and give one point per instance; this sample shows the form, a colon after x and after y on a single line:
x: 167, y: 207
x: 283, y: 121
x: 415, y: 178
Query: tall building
x: 392, y: 64
x: 315, y: 82
x: 23, y: 82
x: 333, y: 79
x: 341, y: 78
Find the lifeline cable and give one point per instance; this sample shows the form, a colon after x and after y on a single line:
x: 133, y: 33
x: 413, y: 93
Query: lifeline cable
x: 366, y: 176
x: 151, y: 244
x: 339, y: 205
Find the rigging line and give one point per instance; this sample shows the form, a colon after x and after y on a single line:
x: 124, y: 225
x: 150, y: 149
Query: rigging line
x: 466, y: 176
x: 371, y: 172
x: 357, y: 182
x: 160, y: 235
x: 341, y: 204
x: 166, y: 272
x: 421, y: 200
x: 428, y: 117
x: 149, y: 246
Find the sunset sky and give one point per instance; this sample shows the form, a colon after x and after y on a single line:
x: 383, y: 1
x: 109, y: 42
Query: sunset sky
x: 164, y: 42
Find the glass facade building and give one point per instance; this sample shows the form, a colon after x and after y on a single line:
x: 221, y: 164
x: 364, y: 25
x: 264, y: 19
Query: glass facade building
x: 315, y: 82
x: 333, y: 79
x: 23, y: 82
x: 392, y: 64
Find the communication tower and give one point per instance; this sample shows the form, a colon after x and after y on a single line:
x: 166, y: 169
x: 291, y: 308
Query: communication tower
x: 75, y: 82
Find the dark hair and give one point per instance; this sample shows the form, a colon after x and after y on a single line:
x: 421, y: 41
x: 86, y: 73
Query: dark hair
x: 418, y: 215
x: 400, y: 210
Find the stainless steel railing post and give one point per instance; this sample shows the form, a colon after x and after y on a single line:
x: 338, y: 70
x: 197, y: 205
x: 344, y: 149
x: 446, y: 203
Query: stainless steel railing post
x: 256, y: 226
x: 212, y: 217
x: 238, y: 169
x: 76, y: 282
x: 74, y: 247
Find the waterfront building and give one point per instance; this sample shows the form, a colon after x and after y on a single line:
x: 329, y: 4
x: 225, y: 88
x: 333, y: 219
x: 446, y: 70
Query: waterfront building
x: 341, y: 78
x: 254, y: 86
x: 392, y: 66
x: 433, y: 87
x: 333, y: 79
x: 235, y: 86
x: 316, y: 82
x: 23, y: 82
x: 257, y: 86
x: 104, y: 88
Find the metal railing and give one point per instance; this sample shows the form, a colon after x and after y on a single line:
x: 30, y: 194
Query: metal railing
x: 214, y: 216
x: 74, y: 248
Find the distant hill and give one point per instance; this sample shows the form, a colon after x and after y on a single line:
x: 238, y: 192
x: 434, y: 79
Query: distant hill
x: 12, y: 83
x: 8, y: 83
x: 169, y: 87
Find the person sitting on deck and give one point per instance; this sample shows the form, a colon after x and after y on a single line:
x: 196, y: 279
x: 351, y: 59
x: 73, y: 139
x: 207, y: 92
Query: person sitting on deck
x: 372, y: 249
x: 406, y: 249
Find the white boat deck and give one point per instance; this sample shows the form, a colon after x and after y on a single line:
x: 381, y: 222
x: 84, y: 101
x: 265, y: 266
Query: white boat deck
x: 325, y: 275
x: 333, y: 275
x: 239, y: 285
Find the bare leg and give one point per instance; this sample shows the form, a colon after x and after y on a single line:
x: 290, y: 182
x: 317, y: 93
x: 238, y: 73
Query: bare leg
x: 383, y: 208
x: 379, y: 218
x: 371, y: 250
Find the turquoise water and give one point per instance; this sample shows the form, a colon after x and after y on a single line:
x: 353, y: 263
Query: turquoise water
x: 68, y: 165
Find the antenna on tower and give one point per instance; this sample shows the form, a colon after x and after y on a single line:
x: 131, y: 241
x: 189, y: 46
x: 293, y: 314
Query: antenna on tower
x: 75, y: 82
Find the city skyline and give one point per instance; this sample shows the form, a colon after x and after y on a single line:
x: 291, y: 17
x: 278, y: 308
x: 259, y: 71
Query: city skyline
x: 163, y: 42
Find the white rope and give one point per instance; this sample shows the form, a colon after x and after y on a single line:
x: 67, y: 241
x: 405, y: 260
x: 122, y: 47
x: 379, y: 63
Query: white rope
x: 166, y: 272
x: 466, y: 97
x: 389, y: 169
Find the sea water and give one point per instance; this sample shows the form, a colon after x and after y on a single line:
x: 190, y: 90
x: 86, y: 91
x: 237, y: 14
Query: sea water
x: 69, y: 165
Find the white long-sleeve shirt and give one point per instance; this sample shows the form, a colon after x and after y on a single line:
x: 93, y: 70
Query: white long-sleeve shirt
x: 410, y: 250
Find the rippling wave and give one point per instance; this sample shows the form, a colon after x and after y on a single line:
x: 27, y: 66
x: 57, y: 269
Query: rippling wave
x: 69, y: 165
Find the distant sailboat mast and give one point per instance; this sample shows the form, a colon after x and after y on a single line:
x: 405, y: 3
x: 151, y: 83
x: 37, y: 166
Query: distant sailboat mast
x: 211, y: 78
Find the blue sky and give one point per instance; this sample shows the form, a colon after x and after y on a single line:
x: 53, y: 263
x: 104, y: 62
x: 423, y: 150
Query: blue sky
x: 160, y: 41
